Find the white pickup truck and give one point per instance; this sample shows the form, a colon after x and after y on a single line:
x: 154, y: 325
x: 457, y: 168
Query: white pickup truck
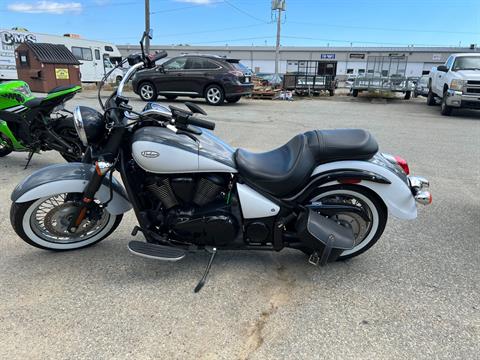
x: 457, y: 83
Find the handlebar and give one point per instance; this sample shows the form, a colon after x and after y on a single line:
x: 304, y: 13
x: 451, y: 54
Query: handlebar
x: 192, y: 120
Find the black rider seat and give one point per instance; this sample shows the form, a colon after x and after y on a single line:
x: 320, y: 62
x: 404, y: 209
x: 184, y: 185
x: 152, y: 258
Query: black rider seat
x: 285, y: 170
x: 62, y: 88
x: 34, y: 102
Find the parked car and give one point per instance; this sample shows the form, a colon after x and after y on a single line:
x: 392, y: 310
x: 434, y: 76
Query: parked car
x: 213, y: 77
x: 421, y: 87
x: 457, y: 83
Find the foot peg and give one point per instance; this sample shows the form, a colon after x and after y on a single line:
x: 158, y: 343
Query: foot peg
x: 154, y: 251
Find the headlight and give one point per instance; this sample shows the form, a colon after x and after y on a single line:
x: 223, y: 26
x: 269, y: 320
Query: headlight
x: 24, y: 89
x: 89, y: 124
x: 457, y: 84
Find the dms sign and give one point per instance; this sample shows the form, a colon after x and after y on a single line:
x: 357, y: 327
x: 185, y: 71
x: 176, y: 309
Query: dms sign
x: 327, y: 56
x: 11, y: 38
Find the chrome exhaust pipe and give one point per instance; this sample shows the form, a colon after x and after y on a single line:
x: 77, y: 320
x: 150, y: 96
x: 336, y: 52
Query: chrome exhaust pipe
x: 423, y: 197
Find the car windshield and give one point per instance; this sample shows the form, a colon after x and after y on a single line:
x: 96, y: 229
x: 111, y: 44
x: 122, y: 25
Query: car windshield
x: 241, y: 67
x: 467, y: 63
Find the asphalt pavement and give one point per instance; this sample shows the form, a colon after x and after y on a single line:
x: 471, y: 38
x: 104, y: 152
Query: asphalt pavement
x: 414, y: 295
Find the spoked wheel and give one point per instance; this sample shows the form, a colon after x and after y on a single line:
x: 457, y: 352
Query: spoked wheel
x: 5, y: 145
x: 367, y: 221
x: 43, y: 223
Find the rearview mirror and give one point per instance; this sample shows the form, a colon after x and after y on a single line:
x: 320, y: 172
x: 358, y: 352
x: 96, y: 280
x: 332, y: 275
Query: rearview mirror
x: 442, y: 68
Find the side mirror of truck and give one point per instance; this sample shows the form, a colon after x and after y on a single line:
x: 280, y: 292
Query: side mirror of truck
x: 442, y: 68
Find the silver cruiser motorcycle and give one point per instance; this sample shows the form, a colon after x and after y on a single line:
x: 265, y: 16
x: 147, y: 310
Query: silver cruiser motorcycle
x: 327, y: 193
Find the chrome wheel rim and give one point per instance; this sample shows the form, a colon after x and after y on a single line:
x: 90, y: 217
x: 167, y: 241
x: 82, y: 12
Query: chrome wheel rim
x: 49, y: 221
x: 363, y: 230
x: 147, y: 91
x: 213, y: 95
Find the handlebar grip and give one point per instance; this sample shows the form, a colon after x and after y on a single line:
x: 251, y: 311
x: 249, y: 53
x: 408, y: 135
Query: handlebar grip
x: 192, y: 120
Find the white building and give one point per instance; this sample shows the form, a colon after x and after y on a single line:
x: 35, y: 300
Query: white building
x: 340, y: 61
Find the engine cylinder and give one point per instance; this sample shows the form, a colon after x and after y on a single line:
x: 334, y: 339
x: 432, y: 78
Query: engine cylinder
x: 163, y: 191
x: 207, y: 190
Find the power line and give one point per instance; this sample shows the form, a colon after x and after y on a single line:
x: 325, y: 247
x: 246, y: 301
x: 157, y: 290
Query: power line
x: 244, y: 12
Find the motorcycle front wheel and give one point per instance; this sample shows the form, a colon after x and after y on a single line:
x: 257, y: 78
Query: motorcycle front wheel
x: 43, y: 223
x: 367, y: 223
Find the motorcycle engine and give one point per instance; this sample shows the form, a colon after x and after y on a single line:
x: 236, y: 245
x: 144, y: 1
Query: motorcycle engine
x: 194, y: 208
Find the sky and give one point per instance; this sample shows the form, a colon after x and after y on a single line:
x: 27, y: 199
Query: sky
x: 250, y: 22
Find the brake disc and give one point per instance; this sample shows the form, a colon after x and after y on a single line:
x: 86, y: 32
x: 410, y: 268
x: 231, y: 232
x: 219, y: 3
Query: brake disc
x: 58, y: 219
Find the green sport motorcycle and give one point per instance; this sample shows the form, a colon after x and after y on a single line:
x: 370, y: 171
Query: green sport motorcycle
x: 32, y: 124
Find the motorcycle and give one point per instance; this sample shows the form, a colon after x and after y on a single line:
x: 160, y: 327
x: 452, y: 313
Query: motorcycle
x: 327, y: 193
x: 32, y: 124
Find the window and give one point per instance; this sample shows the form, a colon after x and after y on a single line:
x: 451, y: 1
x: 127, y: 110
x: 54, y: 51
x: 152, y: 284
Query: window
x: 97, y: 54
x: 384, y: 72
x: 175, y: 64
x: 210, y: 65
x: 108, y: 48
x: 361, y: 71
x: 349, y: 71
x: 23, y: 57
x: 425, y: 72
x: 200, y: 64
x: 449, y: 62
x: 82, y: 53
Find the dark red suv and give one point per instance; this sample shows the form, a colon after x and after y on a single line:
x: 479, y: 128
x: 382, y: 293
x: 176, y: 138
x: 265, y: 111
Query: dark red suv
x: 212, y: 77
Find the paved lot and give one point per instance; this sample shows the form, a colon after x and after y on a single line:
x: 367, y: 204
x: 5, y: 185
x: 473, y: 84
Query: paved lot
x: 414, y: 295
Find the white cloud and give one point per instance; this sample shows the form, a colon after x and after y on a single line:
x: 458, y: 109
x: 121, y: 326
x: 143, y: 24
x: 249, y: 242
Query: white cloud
x: 45, y: 6
x: 200, y: 2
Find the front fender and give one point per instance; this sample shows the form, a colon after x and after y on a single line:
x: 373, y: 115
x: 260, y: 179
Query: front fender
x: 70, y: 178
x: 397, y: 195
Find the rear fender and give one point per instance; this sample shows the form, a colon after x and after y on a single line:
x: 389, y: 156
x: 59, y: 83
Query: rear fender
x: 394, y: 192
x: 70, y: 178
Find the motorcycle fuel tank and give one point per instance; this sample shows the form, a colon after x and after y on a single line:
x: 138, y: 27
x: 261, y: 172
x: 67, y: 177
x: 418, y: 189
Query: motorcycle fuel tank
x: 160, y: 150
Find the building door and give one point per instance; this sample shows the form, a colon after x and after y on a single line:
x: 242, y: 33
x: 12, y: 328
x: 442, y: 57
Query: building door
x: 327, y: 68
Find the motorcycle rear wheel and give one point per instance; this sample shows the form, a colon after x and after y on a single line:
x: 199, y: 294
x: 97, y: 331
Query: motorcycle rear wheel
x: 5, y: 145
x: 366, y: 233
x: 43, y: 223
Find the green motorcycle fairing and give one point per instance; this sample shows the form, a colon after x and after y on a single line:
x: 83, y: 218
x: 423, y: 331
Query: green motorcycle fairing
x: 15, y: 98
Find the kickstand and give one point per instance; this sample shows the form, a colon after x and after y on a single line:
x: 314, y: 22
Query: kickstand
x: 30, y: 155
x: 200, y: 284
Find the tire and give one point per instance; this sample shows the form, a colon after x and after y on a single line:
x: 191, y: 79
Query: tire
x: 214, y: 95
x: 20, y: 218
x: 331, y: 92
x: 147, y: 91
x: 68, y: 133
x: 170, y: 97
x: 445, y: 109
x: 431, y: 98
x: 408, y: 95
x: 355, y: 92
x: 415, y: 95
x: 378, y: 214
x: 233, y: 99
x: 5, y: 145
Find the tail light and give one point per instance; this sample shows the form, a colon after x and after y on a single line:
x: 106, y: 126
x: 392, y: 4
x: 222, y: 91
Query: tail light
x: 399, y: 161
x: 236, y: 73
x: 402, y: 163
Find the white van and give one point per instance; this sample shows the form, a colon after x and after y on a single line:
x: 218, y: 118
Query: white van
x: 95, y: 56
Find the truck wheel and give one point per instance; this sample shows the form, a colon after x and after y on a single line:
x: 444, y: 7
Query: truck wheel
x: 445, y: 109
x: 331, y: 92
x: 431, y: 98
x: 355, y: 92
x: 408, y: 94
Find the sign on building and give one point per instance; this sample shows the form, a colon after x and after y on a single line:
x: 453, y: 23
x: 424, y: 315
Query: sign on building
x: 357, y: 56
x: 437, y: 57
x: 327, y: 56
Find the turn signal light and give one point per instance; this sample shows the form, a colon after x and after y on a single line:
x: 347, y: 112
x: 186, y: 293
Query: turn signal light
x: 403, y: 164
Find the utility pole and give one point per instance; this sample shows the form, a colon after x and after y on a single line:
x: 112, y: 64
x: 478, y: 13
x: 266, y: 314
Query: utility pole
x: 147, y: 25
x: 279, y: 6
